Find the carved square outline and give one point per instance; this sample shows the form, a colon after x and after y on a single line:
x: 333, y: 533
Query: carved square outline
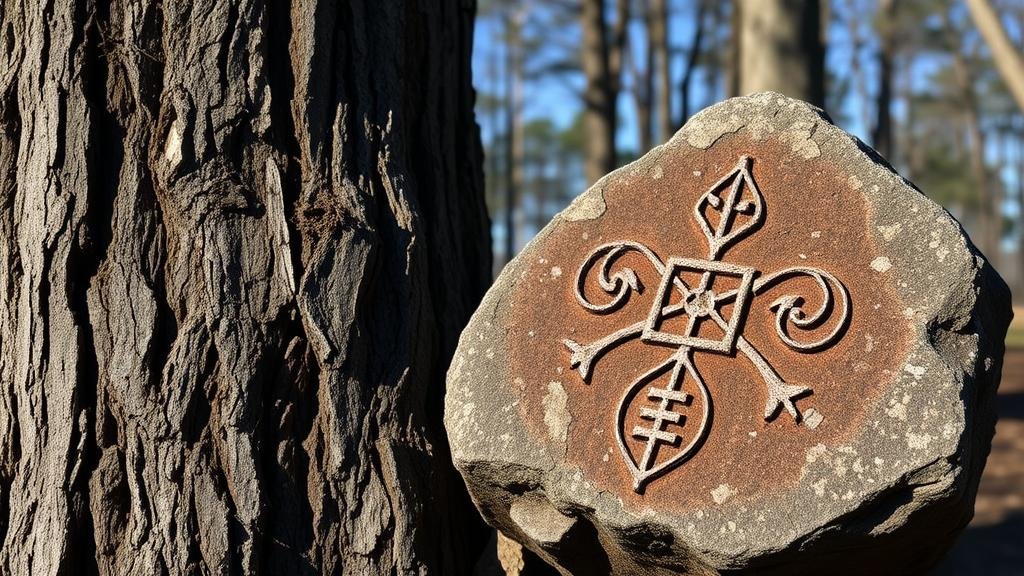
x: 672, y: 267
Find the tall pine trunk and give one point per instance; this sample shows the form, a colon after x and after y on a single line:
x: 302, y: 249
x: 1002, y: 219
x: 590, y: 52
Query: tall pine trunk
x: 882, y: 133
x: 601, y: 57
x: 239, y: 242
x: 780, y: 46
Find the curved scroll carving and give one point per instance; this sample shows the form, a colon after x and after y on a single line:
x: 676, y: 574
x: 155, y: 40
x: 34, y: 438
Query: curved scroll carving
x: 789, y: 309
x: 618, y: 284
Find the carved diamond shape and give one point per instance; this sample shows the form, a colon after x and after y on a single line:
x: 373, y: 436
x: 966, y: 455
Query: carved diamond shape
x: 698, y: 302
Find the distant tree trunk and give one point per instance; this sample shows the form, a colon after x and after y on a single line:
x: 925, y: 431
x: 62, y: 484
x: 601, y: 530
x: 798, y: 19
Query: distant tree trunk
x: 781, y: 47
x: 514, y: 17
x: 988, y: 220
x: 643, y: 83
x: 882, y: 135
x: 1007, y: 59
x: 601, y: 62
x: 853, y: 19
x: 692, y: 57
x: 240, y: 242
x: 1020, y: 215
x: 659, y: 43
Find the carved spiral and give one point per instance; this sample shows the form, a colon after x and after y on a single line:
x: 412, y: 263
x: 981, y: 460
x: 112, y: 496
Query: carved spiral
x: 617, y: 284
x: 789, y: 310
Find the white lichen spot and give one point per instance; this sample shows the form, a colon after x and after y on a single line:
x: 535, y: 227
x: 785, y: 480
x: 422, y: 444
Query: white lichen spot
x: 816, y: 234
x: 587, y: 206
x: 697, y: 173
x: 897, y: 410
x: 722, y: 493
x: 855, y: 182
x: 731, y: 525
x: 879, y: 462
x: 890, y: 232
x: 881, y: 264
x: 915, y: 371
x: 604, y: 458
x: 657, y: 172
x: 941, y: 254
x: 799, y: 139
x: 815, y: 452
x: 869, y: 343
x: 802, y: 256
x: 556, y: 415
x: 819, y: 487
x: 556, y: 272
x: 531, y: 333
x: 753, y: 434
x: 908, y: 313
x: 918, y: 441
x: 813, y: 418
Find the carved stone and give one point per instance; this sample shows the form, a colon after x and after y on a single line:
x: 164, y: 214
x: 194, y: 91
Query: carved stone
x: 756, y: 340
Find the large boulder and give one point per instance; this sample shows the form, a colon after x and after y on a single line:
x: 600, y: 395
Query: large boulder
x: 757, y: 349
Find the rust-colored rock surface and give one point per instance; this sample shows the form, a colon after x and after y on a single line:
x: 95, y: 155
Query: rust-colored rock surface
x: 753, y: 341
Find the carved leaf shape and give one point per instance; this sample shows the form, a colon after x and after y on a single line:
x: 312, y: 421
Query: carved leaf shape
x: 737, y: 201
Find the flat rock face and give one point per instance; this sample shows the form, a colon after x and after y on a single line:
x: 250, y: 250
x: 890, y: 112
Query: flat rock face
x: 754, y: 341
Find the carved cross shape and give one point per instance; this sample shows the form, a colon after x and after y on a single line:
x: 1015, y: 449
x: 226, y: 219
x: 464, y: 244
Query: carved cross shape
x: 730, y: 210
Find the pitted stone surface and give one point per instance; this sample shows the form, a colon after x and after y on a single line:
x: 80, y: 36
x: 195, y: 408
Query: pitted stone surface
x: 754, y: 341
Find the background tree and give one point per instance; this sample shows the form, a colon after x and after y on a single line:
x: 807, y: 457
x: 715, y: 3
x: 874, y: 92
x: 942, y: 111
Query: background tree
x: 1007, y: 58
x: 601, y: 59
x: 240, y: 242
x: 779, y: 46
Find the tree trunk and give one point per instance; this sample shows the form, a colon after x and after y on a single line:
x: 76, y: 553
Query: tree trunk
x: 659, y: 43
x: 989, y: 221
x: 514, y: 17
x: 882, y: 134
x: 853, y: 19
x: 643, y: 83
x: 241, y: 242
x: 601, y: 61
x: 780, y: 47
x: 692, y: 57
x: 1005, y: 55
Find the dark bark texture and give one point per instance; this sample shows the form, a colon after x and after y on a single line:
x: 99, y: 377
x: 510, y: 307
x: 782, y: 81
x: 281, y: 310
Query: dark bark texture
x: 238, y: 242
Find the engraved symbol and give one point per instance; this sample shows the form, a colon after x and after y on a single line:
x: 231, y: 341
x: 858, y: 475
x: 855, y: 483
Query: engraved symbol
x: 730, y: 210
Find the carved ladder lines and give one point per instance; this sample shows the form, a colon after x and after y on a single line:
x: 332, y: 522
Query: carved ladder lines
x: 663, y: 416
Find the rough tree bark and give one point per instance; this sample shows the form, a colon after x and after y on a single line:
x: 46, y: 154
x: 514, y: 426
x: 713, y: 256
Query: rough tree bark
x: 239, y: 243
x: 780, y: 47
